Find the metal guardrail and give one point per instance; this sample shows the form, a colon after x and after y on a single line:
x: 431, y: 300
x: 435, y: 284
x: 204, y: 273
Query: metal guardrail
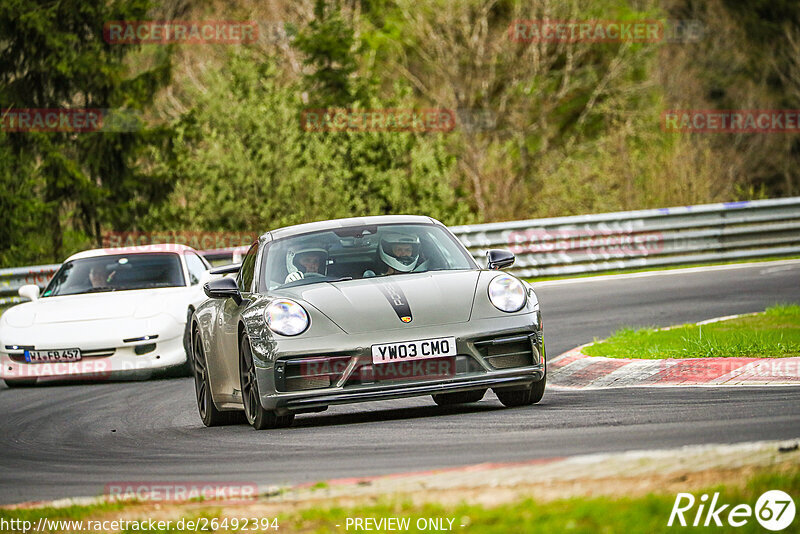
x: 593, y: 243
x: 641, y: 239
x: 12, y: 279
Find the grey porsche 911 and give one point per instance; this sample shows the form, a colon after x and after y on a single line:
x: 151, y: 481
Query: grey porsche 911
x: 363, y: 309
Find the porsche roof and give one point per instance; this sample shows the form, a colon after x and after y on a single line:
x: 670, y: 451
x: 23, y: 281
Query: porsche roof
x: 305, y: 228
x: 141, y: 249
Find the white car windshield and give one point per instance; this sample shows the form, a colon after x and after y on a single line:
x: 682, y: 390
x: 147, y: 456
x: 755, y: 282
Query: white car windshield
x: 116, y: 273
x: 361, y: 252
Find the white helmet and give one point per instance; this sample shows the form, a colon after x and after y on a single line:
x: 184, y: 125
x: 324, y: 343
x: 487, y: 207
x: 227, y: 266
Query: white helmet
x: 293, y: 259
x: 403, y: 264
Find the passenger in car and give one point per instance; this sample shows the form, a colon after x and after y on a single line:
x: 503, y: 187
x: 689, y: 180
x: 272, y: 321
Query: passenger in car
x: 399, y: 253
x: 98, y: 277
x: 307, y: 261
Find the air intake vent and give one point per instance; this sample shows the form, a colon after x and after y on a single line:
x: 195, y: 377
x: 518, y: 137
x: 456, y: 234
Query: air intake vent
x: 309, y: 372
x: 303, y: 383
x: 144, y: 349
x: 508, y: 352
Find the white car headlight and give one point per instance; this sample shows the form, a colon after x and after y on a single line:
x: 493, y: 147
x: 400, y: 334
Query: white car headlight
x: 506, y: 293
x: 286, y: 317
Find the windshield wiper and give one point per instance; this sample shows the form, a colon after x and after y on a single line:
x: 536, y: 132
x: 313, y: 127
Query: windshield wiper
x: 342, y: 279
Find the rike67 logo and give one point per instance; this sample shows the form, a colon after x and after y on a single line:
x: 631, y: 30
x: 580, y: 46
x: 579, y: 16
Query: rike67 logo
x: 774, y: 510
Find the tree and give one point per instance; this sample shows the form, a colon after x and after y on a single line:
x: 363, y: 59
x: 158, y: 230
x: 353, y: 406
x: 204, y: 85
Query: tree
x: 52, y: 55
x: 21, y: 209
x: 279, y: 174
x: 328, y: 44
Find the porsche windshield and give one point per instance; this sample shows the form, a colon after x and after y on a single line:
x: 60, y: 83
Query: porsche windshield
x: 116, y: 273
x: 361, y: 252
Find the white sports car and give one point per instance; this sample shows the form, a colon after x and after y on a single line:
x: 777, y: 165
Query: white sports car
x: 105, y: 313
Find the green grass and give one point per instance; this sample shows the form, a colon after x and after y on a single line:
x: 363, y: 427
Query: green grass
x: 581, y: 515
x: 772, y: 334
x: 647, y: 514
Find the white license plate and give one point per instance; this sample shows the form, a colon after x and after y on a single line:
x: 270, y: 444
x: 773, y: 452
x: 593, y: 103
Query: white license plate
x: 414, y: 350
x: 45, y: 356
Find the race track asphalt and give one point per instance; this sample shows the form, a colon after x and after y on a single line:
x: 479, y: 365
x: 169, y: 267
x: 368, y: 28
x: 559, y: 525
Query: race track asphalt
x: 73, y: 440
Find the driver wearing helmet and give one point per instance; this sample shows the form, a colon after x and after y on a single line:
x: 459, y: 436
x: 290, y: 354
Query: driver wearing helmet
x: 304, y: 261
x: 399, y: 252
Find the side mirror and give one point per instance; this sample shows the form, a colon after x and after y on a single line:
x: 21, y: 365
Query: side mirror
x: 223, y: 288
x: 29, y: 291
x: 226, y: 269
x: 499, y: 259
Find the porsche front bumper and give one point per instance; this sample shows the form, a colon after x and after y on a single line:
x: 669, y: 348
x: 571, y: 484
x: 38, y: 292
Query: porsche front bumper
x: 517, y: 378
x: 473, y: 368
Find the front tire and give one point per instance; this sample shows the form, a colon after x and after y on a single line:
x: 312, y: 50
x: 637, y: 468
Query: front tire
x: 256, y: 415
x: 187, y: 368
x: 522, y: 397
x: 460, y: 397
x: 209, y: 413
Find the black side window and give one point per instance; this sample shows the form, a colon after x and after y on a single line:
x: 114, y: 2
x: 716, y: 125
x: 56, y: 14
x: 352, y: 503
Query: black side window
x: 248, y: 270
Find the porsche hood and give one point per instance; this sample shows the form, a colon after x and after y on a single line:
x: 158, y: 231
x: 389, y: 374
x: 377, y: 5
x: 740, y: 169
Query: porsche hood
x: 399, y: 301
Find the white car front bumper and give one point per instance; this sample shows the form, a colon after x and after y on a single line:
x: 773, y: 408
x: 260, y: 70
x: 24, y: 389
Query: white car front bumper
x: 110, y: 349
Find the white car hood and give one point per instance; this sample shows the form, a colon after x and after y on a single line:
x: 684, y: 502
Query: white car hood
x: 93, y: 307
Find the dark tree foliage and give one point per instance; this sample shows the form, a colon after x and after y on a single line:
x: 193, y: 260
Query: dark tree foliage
x: 53, y: 55
x: 328, y: 44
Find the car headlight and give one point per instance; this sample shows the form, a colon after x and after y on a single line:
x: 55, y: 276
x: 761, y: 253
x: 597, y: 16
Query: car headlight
x: 286, y: 317
x: 506, y: 293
